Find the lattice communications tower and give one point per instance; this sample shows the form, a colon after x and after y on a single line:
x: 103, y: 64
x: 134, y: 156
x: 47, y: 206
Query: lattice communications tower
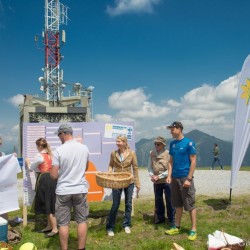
x: 52, y: 83
x: 53, y: 106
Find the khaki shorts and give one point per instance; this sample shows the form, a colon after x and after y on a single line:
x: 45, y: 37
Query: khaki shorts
x: 64, y: 203
x: 182, y: 196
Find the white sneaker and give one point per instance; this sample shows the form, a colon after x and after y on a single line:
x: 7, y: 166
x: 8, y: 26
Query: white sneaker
x: 110, y: 233
x: 127, y: 230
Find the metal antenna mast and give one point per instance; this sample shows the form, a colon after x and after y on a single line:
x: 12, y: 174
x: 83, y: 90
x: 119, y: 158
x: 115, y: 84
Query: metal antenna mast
x: 53, y: 106
x: 52, y: 83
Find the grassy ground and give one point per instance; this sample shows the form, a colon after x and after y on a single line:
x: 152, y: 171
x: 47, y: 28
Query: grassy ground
x: 212, y: 214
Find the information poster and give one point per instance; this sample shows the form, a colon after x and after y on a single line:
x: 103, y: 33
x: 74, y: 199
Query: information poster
x: 113, y: 130
x: 98, y: 136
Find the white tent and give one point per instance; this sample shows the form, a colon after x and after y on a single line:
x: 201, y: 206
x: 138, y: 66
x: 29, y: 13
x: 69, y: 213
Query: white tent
x: 241, y: 122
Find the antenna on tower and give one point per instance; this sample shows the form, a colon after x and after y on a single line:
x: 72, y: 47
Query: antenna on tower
x: 52, y: 84
x: 52, y: 81
x: 54, y: 106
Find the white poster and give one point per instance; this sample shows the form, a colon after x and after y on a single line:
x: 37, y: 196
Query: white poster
x: 9, y: 168
x: 113, y: 130
x: 242, y: 121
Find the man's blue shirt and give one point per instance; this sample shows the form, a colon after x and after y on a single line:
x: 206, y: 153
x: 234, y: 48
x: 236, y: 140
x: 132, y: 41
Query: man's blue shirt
x: 180, y: 150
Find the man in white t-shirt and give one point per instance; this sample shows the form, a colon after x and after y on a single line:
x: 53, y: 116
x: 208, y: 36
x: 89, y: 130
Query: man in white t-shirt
x: 70, y: 161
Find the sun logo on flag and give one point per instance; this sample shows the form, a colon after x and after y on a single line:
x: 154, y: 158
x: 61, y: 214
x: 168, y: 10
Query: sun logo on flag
x: 246, y: 91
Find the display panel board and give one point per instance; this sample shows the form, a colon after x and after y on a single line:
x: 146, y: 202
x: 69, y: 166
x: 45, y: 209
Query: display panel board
x: 98, y: 136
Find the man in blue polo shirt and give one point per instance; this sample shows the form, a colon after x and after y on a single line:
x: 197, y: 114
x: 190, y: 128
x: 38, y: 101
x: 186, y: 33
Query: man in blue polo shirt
x: 180, y: 175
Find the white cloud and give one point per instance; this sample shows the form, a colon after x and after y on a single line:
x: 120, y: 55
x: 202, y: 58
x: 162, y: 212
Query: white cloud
x: 133, y: 104
x: 173, y: 103
x: 211, y: 108
x: 132, y: 6
x: 203, y: 94
x: 16, y: 100
x: 147, y: 110
x: 103, y: 118
x: 15, y: 128
x: 227, y: 90
x: 130, y: 99
x: 207, y: 108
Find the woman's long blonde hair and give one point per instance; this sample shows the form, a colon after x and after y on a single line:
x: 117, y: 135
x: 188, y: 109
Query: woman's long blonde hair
x: 124, y: 139
x: 41, y: 142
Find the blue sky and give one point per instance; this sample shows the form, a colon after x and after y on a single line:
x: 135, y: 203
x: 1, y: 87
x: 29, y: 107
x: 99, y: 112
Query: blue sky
x: 150, y: 61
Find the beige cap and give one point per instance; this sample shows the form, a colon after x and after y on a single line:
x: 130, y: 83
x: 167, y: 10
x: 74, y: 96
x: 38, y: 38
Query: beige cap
x: 161, y: 140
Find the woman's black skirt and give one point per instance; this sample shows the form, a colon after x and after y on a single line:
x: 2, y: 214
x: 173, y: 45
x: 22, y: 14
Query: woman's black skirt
x: 45, y: 198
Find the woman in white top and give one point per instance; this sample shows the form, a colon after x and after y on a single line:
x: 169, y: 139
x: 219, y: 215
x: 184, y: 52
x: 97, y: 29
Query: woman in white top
x: 44, y: 202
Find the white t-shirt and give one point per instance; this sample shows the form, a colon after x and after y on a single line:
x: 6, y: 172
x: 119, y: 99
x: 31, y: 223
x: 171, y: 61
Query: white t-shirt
x: 37, y: 161
x: 71, y: 158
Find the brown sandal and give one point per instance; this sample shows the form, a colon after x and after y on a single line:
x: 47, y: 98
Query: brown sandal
x: 51, y: 234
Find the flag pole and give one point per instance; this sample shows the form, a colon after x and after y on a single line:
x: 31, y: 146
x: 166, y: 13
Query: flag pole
x: 230, y: 196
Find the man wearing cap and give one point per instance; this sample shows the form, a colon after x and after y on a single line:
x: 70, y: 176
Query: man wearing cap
x: 181, y: 170
x: 158, y: 171
x: 70, y: 161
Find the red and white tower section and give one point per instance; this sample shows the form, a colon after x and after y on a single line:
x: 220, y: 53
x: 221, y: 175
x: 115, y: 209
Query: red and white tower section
x: 52, y: 82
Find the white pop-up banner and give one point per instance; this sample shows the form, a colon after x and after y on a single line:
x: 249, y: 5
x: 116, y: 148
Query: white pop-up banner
x: 9, y: 167
x: 241, y: 122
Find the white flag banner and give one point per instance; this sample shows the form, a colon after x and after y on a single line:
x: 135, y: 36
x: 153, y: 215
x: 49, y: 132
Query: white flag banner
x: 241, y: 122
x: 9, y: 167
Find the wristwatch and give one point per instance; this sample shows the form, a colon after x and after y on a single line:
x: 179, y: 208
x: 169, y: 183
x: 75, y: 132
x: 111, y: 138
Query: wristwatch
x: 190, y: 180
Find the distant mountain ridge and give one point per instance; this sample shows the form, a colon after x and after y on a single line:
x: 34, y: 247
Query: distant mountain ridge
x: 204, y: 146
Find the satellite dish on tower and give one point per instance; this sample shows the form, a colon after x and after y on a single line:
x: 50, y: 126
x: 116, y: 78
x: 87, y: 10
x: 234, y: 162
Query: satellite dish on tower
x: 41, y: 79
x: 90, y: 88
